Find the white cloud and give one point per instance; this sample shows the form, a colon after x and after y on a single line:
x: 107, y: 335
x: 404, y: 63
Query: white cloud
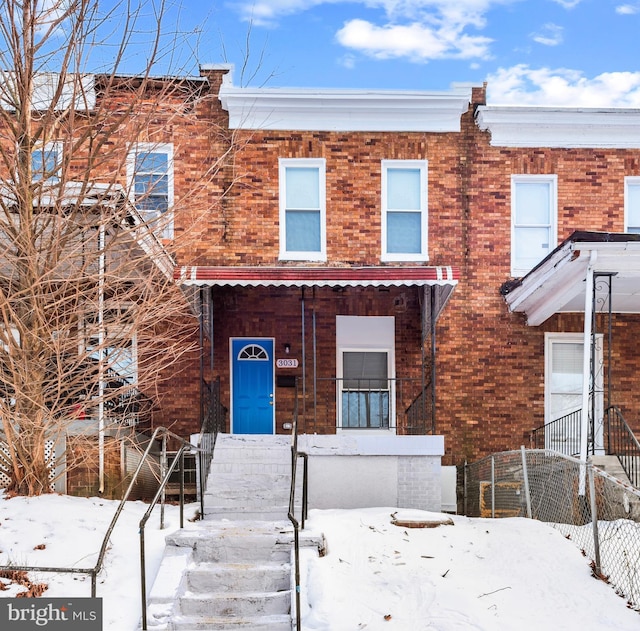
x: 523, y: 85
x: 627, y: 9
x: 568, y: 4
x: 418, y: 42
x: 418, y: 30
x: 551, y: 35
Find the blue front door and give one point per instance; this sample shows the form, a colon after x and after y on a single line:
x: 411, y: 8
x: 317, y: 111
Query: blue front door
x: 253, y: 404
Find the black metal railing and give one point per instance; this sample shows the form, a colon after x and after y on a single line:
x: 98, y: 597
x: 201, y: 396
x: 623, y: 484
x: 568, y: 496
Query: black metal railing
x: 419, y: 414
x: 562, y: 434
x: 374, y: 403
x: 621, y: 442
x: 214, y: 416
x: 298, y: 524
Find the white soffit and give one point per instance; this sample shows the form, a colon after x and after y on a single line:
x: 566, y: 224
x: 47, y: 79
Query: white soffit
x: 512, y: 126
x: 558, y: 284
x: 344, y: 110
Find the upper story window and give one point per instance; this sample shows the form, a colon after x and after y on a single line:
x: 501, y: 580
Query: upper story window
x: 632, y: 204
x: 45, y: 162
x: 404, y: 210
x: 533, y: 220
x: 303, y: 234
x: 150, y: 172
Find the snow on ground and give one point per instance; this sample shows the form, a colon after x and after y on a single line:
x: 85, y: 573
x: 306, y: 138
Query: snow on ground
x: 475, y: 575
x: 72, y: 529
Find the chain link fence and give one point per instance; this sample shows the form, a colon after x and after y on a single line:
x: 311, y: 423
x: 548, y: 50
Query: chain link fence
x: 599, y: 513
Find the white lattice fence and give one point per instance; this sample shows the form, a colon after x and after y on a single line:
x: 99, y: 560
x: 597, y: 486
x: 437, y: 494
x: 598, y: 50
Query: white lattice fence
x: 49, y: 454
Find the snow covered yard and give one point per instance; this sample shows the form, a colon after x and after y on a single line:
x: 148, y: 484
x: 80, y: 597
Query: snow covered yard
x: 476, y: 575
x: 64, y: 531
x: 484, y: 575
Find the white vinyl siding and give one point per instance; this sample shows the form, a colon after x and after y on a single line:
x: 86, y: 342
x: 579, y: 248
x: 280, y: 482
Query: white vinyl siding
x: 533, y: 220
x: 404, y: 210
x: 302, y: 209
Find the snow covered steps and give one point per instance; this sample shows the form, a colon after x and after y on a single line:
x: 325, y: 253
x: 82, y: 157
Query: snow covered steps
x: 250, y: 478
x: 234, y: 575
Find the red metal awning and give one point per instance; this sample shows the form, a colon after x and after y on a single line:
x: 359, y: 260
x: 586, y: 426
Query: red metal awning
x: 317, y: 276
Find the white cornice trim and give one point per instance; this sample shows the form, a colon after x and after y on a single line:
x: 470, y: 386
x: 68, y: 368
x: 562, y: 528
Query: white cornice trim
x: 560, y: 127
x: 344, y: 110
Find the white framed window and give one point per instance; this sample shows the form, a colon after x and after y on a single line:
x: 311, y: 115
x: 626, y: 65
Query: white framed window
x: 45, y: 162
x: 632, y: 204
x: 303, y: 235
x: 150, y: 174
x: 534, y: 211
x: 404, y: 210
x: 365, y: 359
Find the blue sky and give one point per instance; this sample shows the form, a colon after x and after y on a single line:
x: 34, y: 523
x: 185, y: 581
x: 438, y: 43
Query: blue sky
x: 552, y: 52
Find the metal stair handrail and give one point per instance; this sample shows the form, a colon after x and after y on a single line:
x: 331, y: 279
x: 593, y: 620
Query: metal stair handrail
x: 622, y: 442
x: 297, y: 524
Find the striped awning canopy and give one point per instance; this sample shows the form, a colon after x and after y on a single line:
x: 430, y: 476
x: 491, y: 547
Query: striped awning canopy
x: 317, y: 276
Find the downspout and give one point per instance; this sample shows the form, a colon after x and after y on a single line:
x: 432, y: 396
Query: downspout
x: 304, y: 360
x: 101, y: 342
x: 433, y: 359
x: 586, y: 371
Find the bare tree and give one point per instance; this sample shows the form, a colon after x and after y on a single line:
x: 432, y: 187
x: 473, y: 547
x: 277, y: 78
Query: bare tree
x: 89, y: 314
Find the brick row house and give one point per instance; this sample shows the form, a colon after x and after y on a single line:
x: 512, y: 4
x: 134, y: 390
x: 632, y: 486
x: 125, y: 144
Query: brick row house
x: 416, y: 264
x: 414, y: 273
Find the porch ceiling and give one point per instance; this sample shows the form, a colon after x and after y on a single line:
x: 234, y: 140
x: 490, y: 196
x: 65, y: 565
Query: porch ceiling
x: 558, y: 283
x: 317, y: 276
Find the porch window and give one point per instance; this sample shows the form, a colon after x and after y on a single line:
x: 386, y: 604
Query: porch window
x: 45, y: 162
x: 150, y: 170
x: 404, y: 210
x: 533, y: 220
x: 365, y: 390
x: 632, y: 204
x: 302, y: 210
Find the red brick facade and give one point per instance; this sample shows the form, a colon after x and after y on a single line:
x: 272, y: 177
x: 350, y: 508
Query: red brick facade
x: 489, y: 364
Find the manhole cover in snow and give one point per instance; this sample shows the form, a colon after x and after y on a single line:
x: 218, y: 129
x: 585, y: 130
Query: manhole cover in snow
x: 420, y: 519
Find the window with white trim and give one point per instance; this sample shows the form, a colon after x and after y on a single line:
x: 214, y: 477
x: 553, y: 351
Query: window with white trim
x: 150, y: 173
x: 303, y: 234
x: 632, y: 204
x: 533, y: 220
x: 45, y: 162
x: 404, y: 210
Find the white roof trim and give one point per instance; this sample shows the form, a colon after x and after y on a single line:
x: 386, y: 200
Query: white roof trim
x: 560, y: 127
x: 344, y: 110
x: 557, y: 285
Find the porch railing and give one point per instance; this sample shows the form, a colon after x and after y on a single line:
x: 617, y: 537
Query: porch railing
x: 374, y: 403
x: 621, y: 442
x: 561, y: 435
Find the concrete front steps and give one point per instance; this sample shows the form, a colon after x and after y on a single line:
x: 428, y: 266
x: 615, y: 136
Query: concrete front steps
x: 250, y: 478
x: 232, y: 570
x: 238, y: 576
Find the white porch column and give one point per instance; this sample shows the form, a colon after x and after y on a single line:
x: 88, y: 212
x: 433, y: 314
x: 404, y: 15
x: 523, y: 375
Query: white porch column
x: 586, y: 370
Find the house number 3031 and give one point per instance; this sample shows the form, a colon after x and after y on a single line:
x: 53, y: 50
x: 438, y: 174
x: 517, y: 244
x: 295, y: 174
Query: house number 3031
x: 287, y: 363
